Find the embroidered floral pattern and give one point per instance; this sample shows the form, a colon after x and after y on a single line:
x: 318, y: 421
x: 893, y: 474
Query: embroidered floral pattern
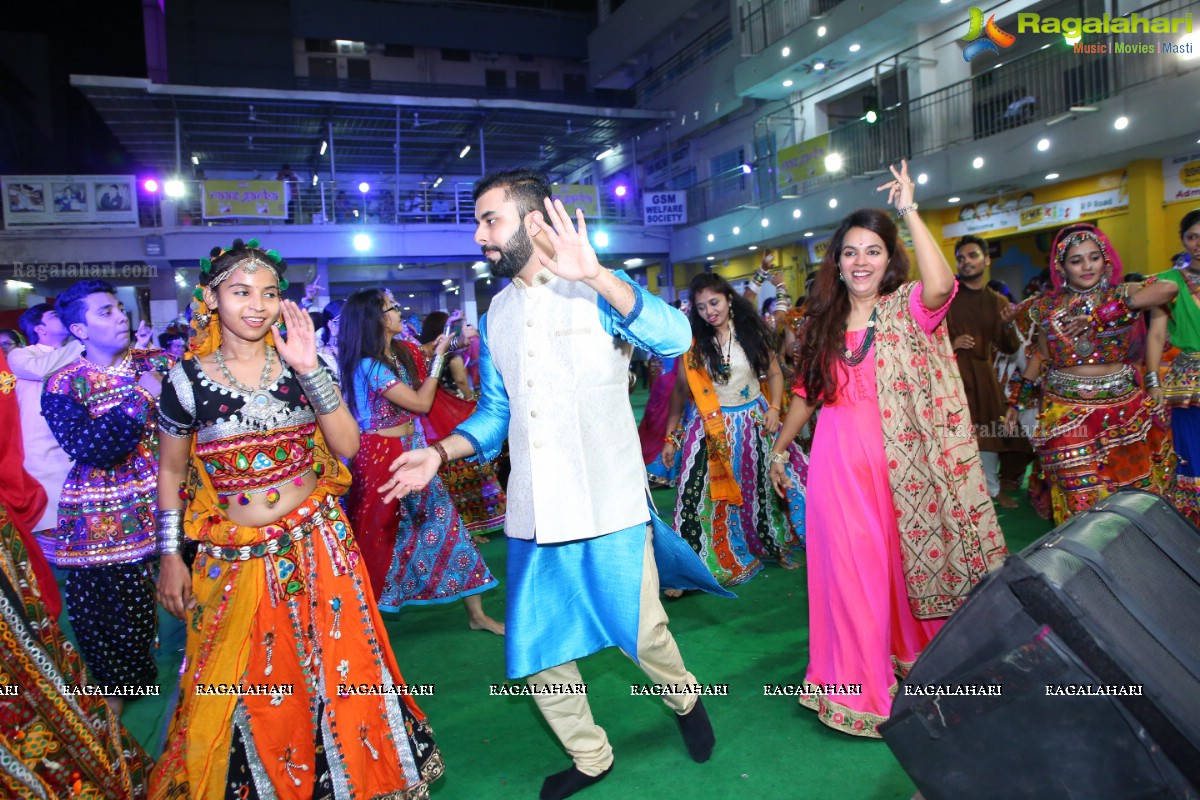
x: 843, y: 718
x: 949, y: 535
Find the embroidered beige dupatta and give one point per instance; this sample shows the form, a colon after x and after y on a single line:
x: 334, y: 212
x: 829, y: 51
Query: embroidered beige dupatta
x: 949, y: 535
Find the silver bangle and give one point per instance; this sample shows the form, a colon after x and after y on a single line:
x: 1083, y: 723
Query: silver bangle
x: 439, y: 361
x: 168, y: 531
x: 908, y: 209
x: 1152, y: 381
x: 779, y: 458
x: 322, y: 394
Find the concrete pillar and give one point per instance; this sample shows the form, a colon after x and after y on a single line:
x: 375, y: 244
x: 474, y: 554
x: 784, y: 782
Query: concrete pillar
x: 164, y: 302
x: 467, y: 302
x: 1144, y: 184
x: 666, y: 281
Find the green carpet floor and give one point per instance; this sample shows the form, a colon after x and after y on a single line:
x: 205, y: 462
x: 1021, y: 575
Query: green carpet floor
x: 499, y: 747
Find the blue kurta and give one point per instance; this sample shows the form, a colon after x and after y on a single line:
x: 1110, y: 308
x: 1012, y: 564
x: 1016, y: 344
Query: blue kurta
x: 568, y: 600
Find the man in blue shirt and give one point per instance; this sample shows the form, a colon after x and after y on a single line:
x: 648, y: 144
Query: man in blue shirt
x: 586, y: 552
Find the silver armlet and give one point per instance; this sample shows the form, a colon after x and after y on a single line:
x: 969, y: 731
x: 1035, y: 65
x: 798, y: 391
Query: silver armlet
x: 168, y: 531
x: 322, y: 394
x: 435, y: 370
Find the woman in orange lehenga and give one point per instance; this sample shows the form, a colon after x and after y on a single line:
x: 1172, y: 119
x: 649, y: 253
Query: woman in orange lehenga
x: 289, y: 688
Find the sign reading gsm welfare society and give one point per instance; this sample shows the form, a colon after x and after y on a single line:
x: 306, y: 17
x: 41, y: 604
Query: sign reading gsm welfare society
x: 665, y: 208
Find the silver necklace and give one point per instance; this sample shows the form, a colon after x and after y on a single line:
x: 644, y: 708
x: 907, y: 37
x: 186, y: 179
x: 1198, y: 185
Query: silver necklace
x: 123, y: 368
x: 262, y: 410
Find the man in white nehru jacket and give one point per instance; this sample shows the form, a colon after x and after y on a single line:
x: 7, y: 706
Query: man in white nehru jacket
x: 585, y: 551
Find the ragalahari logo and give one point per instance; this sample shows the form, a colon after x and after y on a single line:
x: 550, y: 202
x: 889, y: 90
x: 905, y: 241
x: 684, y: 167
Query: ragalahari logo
x: 996, y: 38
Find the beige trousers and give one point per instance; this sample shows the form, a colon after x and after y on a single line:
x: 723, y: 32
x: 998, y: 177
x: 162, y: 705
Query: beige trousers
x: 570, y: 717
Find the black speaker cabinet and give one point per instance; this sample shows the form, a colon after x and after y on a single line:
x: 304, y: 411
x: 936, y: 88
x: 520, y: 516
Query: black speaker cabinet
x: 1072, y: 672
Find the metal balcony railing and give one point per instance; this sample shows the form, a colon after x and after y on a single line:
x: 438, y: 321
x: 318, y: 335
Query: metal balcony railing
x: 1047, y: 83
x: 343, y: 203
x: 764, y: 22
x: 700, y: 51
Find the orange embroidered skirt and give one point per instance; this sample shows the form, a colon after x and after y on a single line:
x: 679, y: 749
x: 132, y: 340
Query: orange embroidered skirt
x: 287, y: 661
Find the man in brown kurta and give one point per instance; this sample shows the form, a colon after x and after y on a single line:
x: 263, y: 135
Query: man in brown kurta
x: 979, y: 326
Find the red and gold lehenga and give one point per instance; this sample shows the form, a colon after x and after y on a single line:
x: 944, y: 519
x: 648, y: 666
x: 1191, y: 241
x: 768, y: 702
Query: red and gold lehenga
x: 1096, y: 434
x: 56, y: 738
x: 473, y: 487
x: 289, y: 688
x: 417, y: 550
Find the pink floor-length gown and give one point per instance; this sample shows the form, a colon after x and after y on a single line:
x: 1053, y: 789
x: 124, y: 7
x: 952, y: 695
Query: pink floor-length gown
x: 860, y: 628
x: 653, y: 428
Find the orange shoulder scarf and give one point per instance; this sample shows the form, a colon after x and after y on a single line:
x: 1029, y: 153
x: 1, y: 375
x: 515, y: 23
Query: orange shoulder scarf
x: 721, y: 483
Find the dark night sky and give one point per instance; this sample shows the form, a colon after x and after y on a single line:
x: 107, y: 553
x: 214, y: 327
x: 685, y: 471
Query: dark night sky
x: 87, y: 37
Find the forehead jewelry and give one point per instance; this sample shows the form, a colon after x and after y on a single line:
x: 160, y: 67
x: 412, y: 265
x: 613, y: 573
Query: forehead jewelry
x: 249, y: 266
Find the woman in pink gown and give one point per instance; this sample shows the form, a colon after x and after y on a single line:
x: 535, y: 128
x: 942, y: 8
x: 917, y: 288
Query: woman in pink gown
x: 899, y: 526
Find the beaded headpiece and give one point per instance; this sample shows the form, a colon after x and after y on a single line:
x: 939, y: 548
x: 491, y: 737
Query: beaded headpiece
x: 250, y: 258
x: 1069, y: 237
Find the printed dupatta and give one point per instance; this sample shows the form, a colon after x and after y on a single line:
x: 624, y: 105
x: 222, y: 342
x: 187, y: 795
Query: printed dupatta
x: 721, y: 483
x: 949, y: 535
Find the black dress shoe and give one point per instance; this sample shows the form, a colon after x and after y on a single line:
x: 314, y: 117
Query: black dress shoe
x: 697, y: 732
x: 568, y: 782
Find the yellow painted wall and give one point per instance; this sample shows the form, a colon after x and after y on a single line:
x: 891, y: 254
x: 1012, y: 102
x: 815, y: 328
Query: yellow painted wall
x: 791, y: 258
x: 1146, y: 234
x: 1173, y: 214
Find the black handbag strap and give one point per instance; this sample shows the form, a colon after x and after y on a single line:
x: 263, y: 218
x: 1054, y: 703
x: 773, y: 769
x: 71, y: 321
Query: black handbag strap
x: 1047, y: 608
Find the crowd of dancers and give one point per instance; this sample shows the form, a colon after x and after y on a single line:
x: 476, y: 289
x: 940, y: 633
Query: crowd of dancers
x: 276, y: 489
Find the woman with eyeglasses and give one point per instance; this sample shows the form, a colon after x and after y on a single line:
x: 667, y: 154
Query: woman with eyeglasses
x: 417, y: 549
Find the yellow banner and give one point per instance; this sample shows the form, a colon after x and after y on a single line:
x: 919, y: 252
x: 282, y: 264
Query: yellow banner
x: 1045, y: 207
x: 257, y: 199
x: 578, y: 195
x: 802, y: 161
